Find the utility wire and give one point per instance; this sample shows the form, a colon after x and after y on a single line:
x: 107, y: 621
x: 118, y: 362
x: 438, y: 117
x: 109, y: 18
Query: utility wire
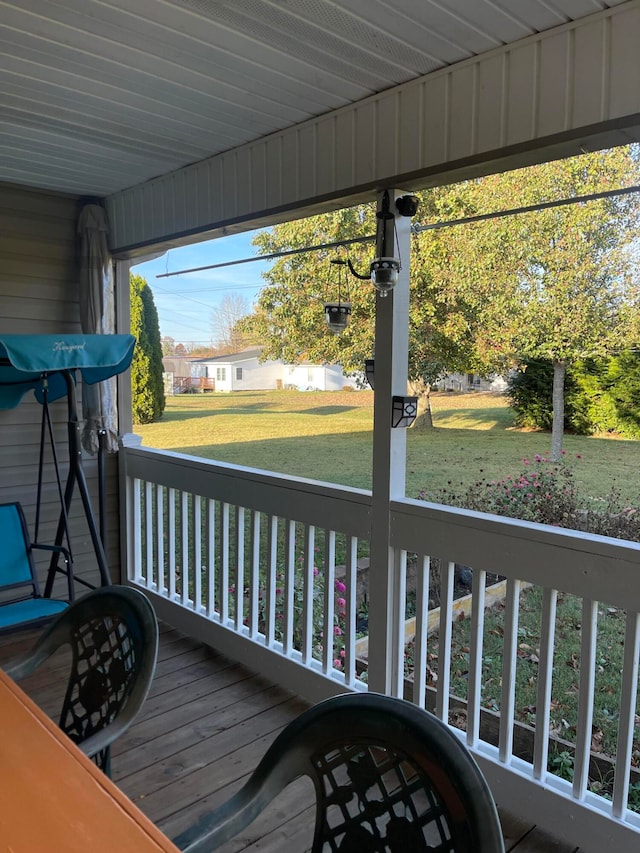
x: 273, y: 255
x: 529, y: 208
x: 418, y: 229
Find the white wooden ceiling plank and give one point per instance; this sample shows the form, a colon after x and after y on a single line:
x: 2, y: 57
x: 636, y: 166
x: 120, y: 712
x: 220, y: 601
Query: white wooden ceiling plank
x: 243, y: 175
x: 154, y: 77
x: 44, y: 141
x: 195, y: 51
x: 176, y: 124
x: 57, y: 158
x: 587, y: 101
x: 521, y: 101
x: 437, y: 108
x: 462, y: 128
x: 448, y: 33
x: 624, y: 77
x: 332, y: 43
x: 494, y: 21
x: 326, y: 148
x: 538, y: 14
x: 375, y: 32
x: 552, y: 84
x: 31, y: 175
x: 307, y: 158
x: 289, y: 175
x: 258, y: 54
x: 160, y: 84
x: 386, y: 124
x: 410, y: 127
x: 273, y: 168
x: 110, y: 134
x: 579, y: 8
x: 490, y: 128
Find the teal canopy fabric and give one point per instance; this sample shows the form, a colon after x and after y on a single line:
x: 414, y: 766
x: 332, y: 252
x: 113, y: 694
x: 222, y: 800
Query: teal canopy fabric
x: 26, y: 359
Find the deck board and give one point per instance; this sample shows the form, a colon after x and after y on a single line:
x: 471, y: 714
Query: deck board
x: 205, y: 725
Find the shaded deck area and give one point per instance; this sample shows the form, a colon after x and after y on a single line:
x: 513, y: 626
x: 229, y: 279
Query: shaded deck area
x: 206, y: 724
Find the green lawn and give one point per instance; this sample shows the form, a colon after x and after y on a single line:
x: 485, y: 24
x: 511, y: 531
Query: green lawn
x: 327, y: 436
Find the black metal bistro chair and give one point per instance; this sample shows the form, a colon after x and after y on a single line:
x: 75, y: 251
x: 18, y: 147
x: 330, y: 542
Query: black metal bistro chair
x: 388, y: 776
x: 113, y: 635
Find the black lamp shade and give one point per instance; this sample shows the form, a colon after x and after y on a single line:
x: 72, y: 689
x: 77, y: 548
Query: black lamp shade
x: 336, y: 315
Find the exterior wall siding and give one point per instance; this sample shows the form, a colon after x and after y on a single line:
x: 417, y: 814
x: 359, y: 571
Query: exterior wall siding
x: 39, y: 286
x: 256, y: 376
x: 552, y: 94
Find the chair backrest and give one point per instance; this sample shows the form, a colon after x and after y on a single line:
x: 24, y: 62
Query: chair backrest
x: 113, y: 635
x: 17, y: 573
x: 388, y: 776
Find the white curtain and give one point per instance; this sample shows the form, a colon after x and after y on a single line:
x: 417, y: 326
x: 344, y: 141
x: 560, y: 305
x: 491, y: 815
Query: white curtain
x: 97, y: 318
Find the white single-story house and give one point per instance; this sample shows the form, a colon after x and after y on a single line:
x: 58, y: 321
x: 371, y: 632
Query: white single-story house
x: 471, y: 382
x: 243, y: 371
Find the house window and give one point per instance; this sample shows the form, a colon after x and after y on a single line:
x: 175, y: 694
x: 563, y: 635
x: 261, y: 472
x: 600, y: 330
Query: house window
x: 238, y: 373
x: 221, y: 374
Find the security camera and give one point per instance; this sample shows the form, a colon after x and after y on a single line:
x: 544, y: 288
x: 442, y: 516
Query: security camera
x: 407, y: 205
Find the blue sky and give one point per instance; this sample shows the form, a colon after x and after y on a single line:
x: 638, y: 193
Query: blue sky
x: 184, y: 302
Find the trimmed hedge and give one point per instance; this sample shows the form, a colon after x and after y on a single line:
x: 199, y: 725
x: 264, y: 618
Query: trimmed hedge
x: 600, y: 395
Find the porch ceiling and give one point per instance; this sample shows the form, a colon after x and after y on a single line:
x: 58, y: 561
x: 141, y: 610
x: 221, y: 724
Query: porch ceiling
x: 100, y: 95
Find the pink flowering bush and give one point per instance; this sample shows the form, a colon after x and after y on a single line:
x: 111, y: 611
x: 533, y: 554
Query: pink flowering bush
x: 546, y: 492
x: 335, y: 634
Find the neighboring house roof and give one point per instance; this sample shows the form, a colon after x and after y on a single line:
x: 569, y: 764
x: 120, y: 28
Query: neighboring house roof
x: 173, y: 362
x: 230, y: 358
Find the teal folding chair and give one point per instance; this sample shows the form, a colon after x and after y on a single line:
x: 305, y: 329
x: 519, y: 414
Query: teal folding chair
x: 21, y: 602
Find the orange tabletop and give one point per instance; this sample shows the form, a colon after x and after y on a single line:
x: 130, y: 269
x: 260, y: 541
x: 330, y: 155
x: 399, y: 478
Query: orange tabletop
x: 54, y: 799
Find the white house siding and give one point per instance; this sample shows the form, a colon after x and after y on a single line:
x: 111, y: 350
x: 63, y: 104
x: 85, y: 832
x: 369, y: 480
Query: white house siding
x: 269, y: 375
x: 38, y: 283
x: 471, y: 382
x: 333, y: 378
x: 302, y: 376
x: 552, y: 94
x: 257, y: 376
x: 317, y: 377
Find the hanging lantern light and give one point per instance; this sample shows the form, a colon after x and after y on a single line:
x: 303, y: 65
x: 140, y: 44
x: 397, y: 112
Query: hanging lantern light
x: 337, y: 314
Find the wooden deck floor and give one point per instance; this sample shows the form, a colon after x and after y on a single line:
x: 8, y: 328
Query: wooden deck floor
x: 204, y: 727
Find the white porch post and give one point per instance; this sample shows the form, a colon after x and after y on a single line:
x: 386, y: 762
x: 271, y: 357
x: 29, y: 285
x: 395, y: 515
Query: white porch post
x: 389, y: 461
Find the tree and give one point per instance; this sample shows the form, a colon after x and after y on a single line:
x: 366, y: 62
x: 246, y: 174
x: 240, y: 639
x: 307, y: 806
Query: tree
x: 622, y: 383
x: 225, y: 322
x: 146, y: 367
x: 531, y: 396
x: 289, y: 315
x: 571, y: 283
x: 553, y: 284
x: 168, y: 345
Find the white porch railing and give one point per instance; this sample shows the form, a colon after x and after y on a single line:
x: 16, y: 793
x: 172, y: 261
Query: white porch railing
x: 253, y: 557
x: 264, y: 568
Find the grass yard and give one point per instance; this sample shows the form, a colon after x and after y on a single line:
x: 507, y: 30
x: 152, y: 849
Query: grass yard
x: 566, y: 669
x: 328, y: 436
